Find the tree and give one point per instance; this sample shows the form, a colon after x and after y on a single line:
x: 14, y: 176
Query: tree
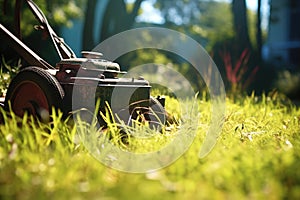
x: 88, y: 26
x: 119, y: 16
x: 240, y: 25
x: 123, y: 19
x: 258, y: 30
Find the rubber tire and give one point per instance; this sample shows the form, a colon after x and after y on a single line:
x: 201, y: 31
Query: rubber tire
x: 48, y: 93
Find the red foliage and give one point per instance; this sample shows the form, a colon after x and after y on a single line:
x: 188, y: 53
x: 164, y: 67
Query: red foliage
x: 238, y: 74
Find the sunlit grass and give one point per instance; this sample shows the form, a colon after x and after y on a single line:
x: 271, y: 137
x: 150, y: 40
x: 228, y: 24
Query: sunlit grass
x: 257, y: 157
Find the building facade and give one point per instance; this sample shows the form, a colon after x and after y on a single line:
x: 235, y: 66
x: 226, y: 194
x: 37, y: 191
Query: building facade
x: 283, y: 44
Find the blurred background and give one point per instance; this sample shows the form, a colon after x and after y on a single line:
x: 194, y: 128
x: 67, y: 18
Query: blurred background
x: 254, y: 43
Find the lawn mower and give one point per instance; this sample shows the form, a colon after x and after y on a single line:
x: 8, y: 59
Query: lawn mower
x: 38, y: 87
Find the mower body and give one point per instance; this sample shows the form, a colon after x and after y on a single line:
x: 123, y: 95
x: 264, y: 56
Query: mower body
x: 72, y: 84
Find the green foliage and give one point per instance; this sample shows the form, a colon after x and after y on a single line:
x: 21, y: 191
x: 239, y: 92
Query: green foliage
x: 207, y: 22
x: 288, y: 83
x: 216, y: 20
x: 6, y: 74
x: 256, y: 157
x: 63, y: 14
x: 58, y: 13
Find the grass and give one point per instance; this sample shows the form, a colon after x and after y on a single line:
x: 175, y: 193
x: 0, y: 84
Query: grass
x: 257, y: 156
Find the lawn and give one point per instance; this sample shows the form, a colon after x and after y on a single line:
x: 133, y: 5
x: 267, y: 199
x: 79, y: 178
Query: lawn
x: 257, y: 156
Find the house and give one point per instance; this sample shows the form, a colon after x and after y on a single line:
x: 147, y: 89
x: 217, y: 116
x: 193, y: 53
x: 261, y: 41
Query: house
x: 283, y: 44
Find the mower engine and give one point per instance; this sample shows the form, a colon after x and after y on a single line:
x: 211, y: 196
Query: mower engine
x: 91, y: 79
